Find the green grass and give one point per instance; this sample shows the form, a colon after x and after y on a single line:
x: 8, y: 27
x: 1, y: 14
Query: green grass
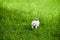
x: 16, y: 17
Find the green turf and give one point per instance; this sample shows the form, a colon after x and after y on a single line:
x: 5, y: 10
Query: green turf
x: 16, y: 17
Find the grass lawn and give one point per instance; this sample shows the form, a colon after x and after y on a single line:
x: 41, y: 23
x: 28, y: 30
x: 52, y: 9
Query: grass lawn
x: 16, y: 17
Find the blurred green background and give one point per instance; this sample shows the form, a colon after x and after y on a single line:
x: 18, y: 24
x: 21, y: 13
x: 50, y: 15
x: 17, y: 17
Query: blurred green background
x: 16, y: 17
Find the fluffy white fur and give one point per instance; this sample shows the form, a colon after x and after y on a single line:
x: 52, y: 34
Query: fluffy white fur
x: 35, y: 23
